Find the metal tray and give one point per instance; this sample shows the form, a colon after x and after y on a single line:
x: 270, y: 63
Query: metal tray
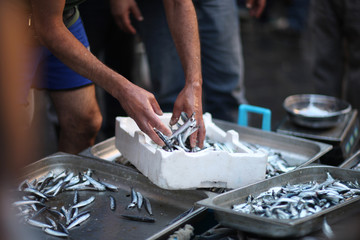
x: 351, y: 161
x: 105, y: 224
x: 296, y: 151
x: 105, y: 150
x: 222, y: 203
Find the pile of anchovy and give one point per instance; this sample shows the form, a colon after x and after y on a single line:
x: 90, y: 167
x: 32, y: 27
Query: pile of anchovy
x: 138, y: 200
x: 180, y: 134
x: 300, y: 200
x: 35, y: 210
x: 276, y: 164
x: 180, y: 137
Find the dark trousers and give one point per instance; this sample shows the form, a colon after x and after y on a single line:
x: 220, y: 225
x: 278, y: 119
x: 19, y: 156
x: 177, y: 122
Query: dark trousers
x: 335, y: 36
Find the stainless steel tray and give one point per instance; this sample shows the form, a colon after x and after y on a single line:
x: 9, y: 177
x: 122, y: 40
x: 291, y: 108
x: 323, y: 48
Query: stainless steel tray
x: 351, y: 161
x: 105, y: 150
x: 296, y: 151
x: 221, y: 204
x: 103, y: 223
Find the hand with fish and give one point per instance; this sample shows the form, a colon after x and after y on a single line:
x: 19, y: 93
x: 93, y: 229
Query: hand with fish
x: 189, y: 101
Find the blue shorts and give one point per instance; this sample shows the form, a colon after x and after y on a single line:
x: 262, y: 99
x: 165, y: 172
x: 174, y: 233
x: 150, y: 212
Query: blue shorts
x: 57, y: 76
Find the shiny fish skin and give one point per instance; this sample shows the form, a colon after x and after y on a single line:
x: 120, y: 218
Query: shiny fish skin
x: 35, y: 192
x: 78, y: 221
x: 55, y: 233
x: 63, y: 228
x: 140, y: 199
x: 27, y: 202
x: 76, y: 197
x: 133, y: 199
x: 38, y: 224
x: 77, y: 186
x: 95, y: 183
x: 148, y: 206
x: 84, y: 203
x: 110, y: 186
x: 52, y: 222
x: 75, y: 214
x: 55, y: 213
x: 112, y: 203
x: 55, y: 187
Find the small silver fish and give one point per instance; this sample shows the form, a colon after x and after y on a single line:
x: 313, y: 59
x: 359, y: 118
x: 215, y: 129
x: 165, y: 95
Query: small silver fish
x: 148, y: 206
x: 35, y: 192
x: 112, y: 203
x: 55, y: 233
x: 84, y: 203
x: 140, y: 199
x: 133, y: 199
x: 27, y: 202
x: 35, y: 223
x: 78, y: 221
x: 95, y: 183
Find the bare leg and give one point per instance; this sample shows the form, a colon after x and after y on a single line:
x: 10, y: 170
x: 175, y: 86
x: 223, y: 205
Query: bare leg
x: 79, y: 118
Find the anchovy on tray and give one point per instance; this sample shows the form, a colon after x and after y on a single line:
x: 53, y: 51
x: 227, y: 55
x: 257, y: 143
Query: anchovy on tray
x: 276, y: 164
x: 181, y: 133
x: 299, y: 200
x: 35, y: 210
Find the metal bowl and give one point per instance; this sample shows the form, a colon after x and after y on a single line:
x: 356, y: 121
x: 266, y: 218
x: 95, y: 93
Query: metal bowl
x: 316, y: 111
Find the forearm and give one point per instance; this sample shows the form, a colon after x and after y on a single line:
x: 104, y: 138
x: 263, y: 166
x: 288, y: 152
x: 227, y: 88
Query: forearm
x: 183, y: 26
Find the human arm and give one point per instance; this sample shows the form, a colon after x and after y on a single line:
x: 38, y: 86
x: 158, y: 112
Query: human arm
x: 256, y: 7
x: 121, y: 10
x: 182, y: 21
x: 138, y: 103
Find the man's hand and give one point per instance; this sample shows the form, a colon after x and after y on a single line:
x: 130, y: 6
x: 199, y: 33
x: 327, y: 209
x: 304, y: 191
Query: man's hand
x: 183, y: 25
x: 121, y: 10
x: 142, y: 106
x: 189, y: 101
x: 256, y: 7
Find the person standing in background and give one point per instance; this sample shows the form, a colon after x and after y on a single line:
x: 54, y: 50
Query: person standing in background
x: 114, y: 48
x: 221, y: 51
x: 335, y: 39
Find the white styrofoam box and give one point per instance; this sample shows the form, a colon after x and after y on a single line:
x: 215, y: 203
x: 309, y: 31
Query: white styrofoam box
x: 190, y: 170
